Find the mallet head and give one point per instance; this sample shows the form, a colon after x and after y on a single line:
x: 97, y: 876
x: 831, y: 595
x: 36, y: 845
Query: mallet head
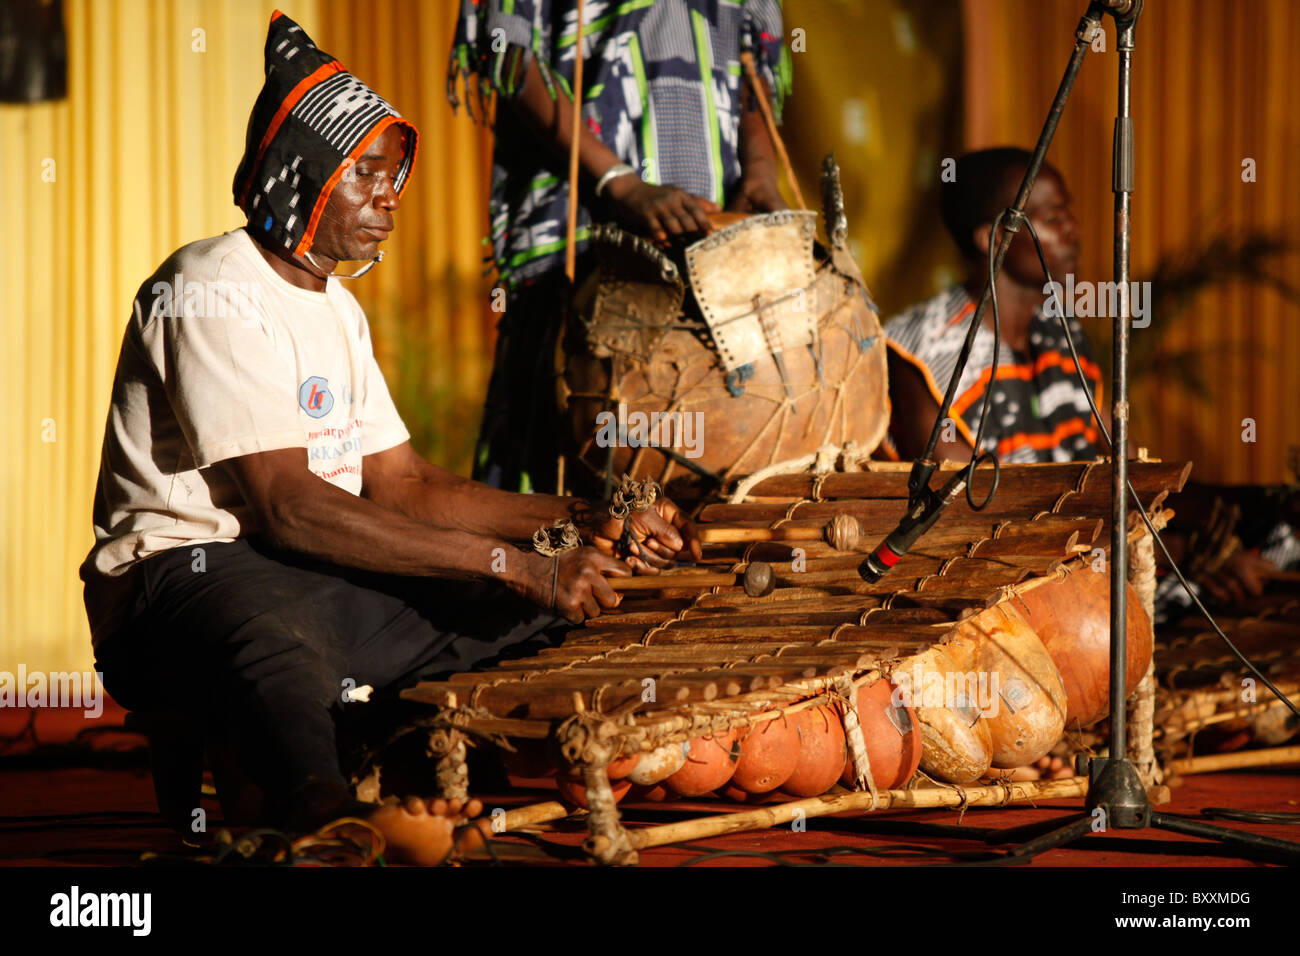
x: 759, y: 579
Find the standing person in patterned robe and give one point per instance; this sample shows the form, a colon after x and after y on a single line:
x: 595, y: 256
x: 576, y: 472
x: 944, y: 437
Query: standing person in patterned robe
x: 670, y: 134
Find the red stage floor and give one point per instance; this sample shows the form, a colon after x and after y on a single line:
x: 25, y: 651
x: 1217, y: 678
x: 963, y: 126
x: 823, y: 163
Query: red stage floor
x: 82, y: 816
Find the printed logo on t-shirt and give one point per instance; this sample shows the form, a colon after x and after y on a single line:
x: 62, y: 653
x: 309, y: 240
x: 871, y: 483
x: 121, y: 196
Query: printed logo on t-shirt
x: 315, y: 398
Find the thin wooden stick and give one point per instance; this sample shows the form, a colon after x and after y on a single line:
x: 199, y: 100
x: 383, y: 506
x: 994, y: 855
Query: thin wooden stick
x: 543, y: 812
x: 1271, y: 757
x: 842, y: 532
x: 992, y: 795
x: 729, y: 534
x: 747, y: 61
x: 679, y: 579
x: 571, y: 234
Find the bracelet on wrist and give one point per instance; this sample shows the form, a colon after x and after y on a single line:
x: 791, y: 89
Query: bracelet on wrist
x: 615, y: 171
x: 553, y: 540
x: 631, y: 495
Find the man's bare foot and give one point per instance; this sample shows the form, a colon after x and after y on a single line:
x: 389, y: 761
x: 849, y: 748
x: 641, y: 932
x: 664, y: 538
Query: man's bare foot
x: 425, y: 832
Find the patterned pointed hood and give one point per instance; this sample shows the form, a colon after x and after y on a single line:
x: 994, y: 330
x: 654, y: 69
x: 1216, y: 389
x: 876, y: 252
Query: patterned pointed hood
x: 311, y: 122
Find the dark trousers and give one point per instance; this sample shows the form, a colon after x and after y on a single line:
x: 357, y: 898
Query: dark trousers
x: 264, y: 645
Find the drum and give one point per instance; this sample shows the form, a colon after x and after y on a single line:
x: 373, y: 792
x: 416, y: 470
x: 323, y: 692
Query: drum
x: 754, y: 345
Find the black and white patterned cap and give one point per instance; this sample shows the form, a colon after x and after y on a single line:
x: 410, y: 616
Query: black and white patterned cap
x: 311, y: 121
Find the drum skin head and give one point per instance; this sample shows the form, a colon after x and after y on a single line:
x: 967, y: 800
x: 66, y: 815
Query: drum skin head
x: 753, y: 282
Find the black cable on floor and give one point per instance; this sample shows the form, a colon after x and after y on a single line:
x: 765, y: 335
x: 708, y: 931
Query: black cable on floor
x: 1252, y: 816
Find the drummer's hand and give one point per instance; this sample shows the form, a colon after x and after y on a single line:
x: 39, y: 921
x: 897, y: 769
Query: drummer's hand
x: 581, y: 591
x: 758, y: 190
x: 1242, y: 575
x: 659, y: 211
x: 662, y: 534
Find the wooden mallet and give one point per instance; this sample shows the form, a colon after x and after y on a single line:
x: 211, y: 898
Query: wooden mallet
x: 757, y: 580
x: 843, y: 532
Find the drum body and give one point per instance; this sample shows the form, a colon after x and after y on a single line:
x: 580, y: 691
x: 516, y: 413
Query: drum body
x: 753, y: 345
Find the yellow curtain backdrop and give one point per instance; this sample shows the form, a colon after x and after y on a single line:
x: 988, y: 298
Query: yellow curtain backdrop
x: 1214, y: 84
x: 96, y: 190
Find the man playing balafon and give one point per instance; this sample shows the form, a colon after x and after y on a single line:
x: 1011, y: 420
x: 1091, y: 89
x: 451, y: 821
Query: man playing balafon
x: 265, y: 533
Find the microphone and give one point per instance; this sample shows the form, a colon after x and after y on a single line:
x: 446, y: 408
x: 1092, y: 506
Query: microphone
x: 923, y: 510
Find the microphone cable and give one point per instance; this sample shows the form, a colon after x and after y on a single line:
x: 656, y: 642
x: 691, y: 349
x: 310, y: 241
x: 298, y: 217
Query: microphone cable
x: 1141, y: 510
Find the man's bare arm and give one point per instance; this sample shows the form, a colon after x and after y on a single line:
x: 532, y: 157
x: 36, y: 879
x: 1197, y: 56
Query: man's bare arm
x: 913, y: 415
x: 300, y: 512
x: 659, y: 211
x: 400, y: 479
x: 758, y: 189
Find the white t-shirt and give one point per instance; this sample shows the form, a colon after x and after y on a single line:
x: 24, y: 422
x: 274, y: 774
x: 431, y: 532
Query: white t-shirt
x: 222, y: 358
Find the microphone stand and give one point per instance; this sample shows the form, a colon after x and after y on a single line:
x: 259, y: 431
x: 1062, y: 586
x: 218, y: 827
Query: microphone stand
x: 1116, y: 795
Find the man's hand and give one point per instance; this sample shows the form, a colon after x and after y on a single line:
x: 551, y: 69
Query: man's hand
x: 661, y: 535
x: 1242, y: 575
x: 581, y: 591
x: 659, y: 211
x: 758, y: 190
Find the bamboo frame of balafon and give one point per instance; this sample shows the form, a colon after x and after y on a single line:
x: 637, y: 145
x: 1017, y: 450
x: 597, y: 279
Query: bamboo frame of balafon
x: 548, y: 811
x: 1175, y: 723
x: 545, y: 812
x: 856, y: 802
x: 1240, y: 760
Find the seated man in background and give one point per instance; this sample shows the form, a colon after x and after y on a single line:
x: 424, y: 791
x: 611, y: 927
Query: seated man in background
x: 1037, y: 410
x: 266, y: 536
